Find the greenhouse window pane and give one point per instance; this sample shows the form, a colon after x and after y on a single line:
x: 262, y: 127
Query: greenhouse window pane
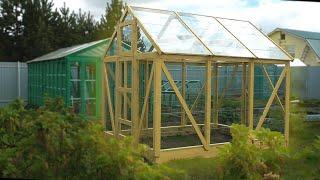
x: 215, y: 36
x: 166, y: 29
x: 252, y: 38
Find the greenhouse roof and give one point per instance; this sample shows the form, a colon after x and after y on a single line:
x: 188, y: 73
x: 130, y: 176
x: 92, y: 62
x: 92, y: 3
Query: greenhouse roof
x: 185, y: 33
x: 63, y: 52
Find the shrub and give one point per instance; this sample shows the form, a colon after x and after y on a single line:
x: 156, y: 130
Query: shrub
x: 52, y: 142
x: 252, y: 154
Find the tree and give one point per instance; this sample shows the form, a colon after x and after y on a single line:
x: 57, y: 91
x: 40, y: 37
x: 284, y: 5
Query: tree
x: 38, y: 34
x: 110, y: 19
x: 11, y: 29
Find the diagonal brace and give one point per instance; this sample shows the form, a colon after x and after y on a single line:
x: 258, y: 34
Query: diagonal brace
x: 269, y: 103
x: 184, y: 105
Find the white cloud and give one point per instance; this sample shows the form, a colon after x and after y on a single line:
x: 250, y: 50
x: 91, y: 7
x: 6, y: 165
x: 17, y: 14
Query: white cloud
x: 266, y: 14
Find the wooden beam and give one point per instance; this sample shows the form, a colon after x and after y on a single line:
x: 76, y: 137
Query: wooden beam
x: 244, y: 94
x: 216, y: 94
x: 189, y: 152
x: 135, y: 104
x: 157, y: 108
x: 146, y: 74
x: 269, y: 103
x: 207, y: 120
x: 184, y: 105
x: 287, y: 104
x: 183, y: 91
x: 250, y: 94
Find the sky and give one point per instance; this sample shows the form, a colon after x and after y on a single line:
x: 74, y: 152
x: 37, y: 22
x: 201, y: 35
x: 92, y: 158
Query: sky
x: 265, y: 14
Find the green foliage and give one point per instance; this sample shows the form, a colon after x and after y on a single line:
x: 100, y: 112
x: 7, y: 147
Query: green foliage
x: 252, y: 154
x: 52, y: 142
x: 109, y: 20
x: 31, y: 28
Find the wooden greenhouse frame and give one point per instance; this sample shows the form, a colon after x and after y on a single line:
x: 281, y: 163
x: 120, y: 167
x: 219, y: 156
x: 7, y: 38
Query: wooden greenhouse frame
x: 128, y: 96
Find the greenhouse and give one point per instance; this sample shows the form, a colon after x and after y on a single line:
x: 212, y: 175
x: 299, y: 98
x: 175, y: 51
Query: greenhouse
x: 151, y: 96
x: 73, y: 73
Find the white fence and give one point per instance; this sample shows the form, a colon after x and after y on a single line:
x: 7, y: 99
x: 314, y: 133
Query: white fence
x: 13, y: 82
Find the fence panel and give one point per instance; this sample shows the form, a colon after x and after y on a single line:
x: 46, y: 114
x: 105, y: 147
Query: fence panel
x: 13, y: 82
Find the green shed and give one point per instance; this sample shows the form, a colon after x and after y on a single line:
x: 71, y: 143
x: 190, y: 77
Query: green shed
x: 73, y: 73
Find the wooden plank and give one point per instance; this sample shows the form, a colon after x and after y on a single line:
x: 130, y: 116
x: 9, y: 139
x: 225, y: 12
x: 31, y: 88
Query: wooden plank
x: 250, y: 94
x: 125, y: 121
x: 146, y: 74
x: 244, y: 94
x: 189, y: 152
x: 207, y: 120
x: 184, y: 105
x: 216, y: 95
x: 157, y: 108
x: 287, y: 104
x: 269, y: 103
x: 183, y: 91
x: 125, y: 90
x: 135, y: 104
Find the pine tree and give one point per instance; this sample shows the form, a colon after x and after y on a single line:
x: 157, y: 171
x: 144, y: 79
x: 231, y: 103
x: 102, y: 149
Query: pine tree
x: 110, y: 19
x: 11, y: 29
x: 38, y: 33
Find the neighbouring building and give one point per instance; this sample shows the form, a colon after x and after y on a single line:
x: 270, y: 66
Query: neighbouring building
x: 303, y: 45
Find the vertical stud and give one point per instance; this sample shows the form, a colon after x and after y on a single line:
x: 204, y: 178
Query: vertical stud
x: 207, y: 123
x: 215, y: 96
x: 287, y: 104
x: 183, y: 84
x: 244, y: 94
x: 250, y: 94
x: 157, y: 109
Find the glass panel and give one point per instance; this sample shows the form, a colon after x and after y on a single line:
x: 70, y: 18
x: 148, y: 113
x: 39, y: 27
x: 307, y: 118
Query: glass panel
x: 215, y: 36
x: 169, y: 33
x: 126, y: 38
x: 128, y: 17
x: 90, y: 89
x: 144, y: 44
x: 253, y: 39
x: 75, y: 87
x: 113, y: 48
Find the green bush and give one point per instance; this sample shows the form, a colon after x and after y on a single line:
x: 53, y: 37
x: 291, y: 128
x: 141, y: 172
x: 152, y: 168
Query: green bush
x: 252, y: 154
x: 52, y: 142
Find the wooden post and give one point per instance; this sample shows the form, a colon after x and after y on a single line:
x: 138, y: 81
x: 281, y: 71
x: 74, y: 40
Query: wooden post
x: 250, y: 94
x: 125, y: 85
x: 157, y: 109
x: 118, y: 84
x: 207, y: 120
x: 146, y: 75
x: 135, y: 109
x: 183, y: 84
x: 118, y: 99
x: 244, y: 94
x: 215, y: 96
x: 287, y: 104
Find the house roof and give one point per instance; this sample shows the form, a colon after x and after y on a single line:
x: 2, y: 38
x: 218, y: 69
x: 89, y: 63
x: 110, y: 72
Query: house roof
x: 173, y: 32
x: 295, y: 63
x: 312, y: 38
x: 63, y: 52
